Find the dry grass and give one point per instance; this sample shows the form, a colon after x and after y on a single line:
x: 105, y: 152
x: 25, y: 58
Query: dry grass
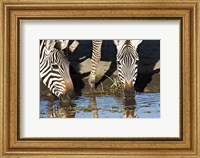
x: 116, y: 84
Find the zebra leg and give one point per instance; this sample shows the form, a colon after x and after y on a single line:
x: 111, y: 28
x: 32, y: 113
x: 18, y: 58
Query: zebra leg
x: 96, y: 56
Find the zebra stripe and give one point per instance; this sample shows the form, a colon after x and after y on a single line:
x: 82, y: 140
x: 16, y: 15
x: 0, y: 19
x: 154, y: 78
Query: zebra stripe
x: 54, y: 69
x: 127, y: 60
x: 127, y: 63
x: 96, y: 56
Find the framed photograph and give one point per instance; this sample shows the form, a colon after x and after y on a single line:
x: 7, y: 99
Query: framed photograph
x: 99, y: 78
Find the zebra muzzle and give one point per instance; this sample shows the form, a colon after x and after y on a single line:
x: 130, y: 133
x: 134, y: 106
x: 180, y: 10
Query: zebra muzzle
x: 68, y: 96
x: 69, y: 93
x: 129, y: 90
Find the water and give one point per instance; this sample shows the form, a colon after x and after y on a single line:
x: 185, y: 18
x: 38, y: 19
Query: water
x: 145, y: 105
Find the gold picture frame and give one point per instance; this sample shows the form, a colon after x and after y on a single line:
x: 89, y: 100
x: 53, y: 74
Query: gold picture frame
x: 13, y: 11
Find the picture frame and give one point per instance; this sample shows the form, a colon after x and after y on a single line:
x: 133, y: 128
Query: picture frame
x: 185, y: 146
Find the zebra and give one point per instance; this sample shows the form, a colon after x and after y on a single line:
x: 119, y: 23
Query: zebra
x: 127, y: 63
x: 54, y: 69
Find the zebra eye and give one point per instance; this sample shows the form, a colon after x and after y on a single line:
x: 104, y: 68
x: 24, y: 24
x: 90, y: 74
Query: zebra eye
x: 118, y: 63
x: 137, y: 61
x: 55, y: 66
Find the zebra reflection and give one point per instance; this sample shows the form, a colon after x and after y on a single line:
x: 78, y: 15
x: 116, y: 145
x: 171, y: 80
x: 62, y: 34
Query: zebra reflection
x: 93, y: 104
x: 60, y: 111
x: 63, y: 111
x: 128, y: 112
x: 129, y: 108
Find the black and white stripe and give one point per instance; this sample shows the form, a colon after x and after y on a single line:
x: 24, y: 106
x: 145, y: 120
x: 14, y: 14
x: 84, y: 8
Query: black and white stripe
x: 127, y: 63
x: 127, y: 60
x: 96, y: 56
x: 54, y: 68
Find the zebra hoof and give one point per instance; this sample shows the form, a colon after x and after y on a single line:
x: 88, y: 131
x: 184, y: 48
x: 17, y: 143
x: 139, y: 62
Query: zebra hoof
x: 92, y: 86
x: 91, y: 83
x: 92, y: 90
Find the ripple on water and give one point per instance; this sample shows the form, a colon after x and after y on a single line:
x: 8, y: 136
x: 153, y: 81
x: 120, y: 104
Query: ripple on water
x: 147, y: 106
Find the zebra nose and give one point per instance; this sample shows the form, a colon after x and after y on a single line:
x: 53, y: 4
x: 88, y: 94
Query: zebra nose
x: 71, y: 94
x: 129, y: 90
x: 129, y: 93
x: 68, y: 96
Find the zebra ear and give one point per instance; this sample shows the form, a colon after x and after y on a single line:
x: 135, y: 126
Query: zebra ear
x: 61, y: 44
x: 50, y: 44
x: 135, y: 43
x: 118, y: 43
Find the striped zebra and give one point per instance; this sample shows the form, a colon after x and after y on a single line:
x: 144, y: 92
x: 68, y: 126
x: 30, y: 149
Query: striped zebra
x: 127, y: 62
x: 54, y: 68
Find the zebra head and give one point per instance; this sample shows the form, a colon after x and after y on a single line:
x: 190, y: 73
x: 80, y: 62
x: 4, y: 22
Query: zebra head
x: 127, y: 64
x: 54, y: 69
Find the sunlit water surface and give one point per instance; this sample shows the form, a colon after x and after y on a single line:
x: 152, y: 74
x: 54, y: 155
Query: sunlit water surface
x: 145, y: 105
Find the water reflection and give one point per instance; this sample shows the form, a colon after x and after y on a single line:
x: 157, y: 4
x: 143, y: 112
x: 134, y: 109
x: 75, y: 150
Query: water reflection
x: 93, y: 104
x: 61, y: 110
x: 144, y: 105
x: 129, y: 108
